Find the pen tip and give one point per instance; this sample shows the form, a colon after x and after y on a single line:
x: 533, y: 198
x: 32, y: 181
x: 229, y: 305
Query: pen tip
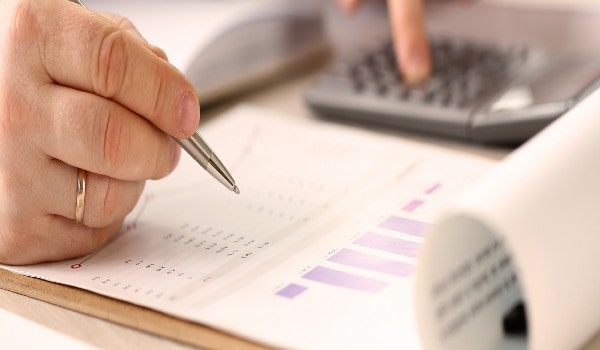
x: 236, y: 189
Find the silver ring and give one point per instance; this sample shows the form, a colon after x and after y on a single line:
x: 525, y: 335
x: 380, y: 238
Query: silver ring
x: 80, y: 200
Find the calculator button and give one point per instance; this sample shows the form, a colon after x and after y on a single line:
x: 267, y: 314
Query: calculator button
x: 371, y: 88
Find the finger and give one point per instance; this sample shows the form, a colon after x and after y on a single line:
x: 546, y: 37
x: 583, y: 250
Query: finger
x: 107, y: 200
x: 61, y: 239
x: 74, y: 240
x: 127, y: 25
x: 410, y: 39
x: 100, y: 136
x: 91, y: 53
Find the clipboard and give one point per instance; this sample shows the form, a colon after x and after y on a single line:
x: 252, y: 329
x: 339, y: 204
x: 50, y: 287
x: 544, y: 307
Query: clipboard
x: 123, y: 313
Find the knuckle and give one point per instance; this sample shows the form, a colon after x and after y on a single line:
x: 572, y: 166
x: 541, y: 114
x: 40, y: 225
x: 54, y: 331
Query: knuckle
x: 116, y: 200
x: 111, y: 65
x: 161, y: 90
x: 113, y: 133
x: 104, y: 204
x: 112, y: 195
x: 125, y: 23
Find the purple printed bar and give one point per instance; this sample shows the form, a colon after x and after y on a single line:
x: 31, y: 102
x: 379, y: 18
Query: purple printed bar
x: 433, y: 188
x: 371, y: 262
x: 388, y: 244
x: 412, y: 205
x: 344, y: 279
x: 404, y: 225
x: 291, y: 291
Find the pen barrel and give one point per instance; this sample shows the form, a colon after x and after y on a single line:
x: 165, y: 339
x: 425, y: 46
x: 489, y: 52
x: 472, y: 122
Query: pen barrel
x: 202, y: 153
x: 197, y: 149
x: 79, y: 2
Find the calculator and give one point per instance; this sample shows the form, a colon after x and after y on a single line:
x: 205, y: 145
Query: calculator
x: 478, y: 91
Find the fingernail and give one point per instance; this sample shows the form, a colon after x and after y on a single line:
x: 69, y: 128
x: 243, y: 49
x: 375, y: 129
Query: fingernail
x: 189, y: 115
x: 175, y: 154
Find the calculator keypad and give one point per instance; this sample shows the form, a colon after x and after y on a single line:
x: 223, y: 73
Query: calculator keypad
x: 462, y: 74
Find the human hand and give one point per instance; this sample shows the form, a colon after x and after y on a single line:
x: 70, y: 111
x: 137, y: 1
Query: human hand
x: 410, y: 39
x: 79, y: 90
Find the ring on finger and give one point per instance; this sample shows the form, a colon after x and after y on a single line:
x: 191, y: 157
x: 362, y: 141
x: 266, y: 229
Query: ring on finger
x: 80, y: 198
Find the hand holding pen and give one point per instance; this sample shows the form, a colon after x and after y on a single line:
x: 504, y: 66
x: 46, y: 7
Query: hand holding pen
x: 89, y: 111
x: 197, y: 148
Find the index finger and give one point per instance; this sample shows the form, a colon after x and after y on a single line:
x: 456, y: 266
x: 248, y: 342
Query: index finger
x: 410, y: 39
x: 85, y: 51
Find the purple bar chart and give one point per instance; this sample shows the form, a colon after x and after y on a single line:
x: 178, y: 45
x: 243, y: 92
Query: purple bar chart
x: 388, y: 244
x: 291, y: 291
x: 413, y: 205
x: 373, y: 260
x: 344, y: 279
x: 404, y: 225
x: 433, y: 188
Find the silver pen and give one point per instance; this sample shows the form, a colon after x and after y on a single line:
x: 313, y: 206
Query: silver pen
x: 202, y: 153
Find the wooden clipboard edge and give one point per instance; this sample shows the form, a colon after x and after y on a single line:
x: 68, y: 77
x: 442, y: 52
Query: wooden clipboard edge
x: 122, y: 313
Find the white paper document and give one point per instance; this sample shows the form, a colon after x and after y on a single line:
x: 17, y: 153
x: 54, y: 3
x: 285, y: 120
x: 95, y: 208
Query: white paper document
x: 347, y: 239
x: 317, y: 252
